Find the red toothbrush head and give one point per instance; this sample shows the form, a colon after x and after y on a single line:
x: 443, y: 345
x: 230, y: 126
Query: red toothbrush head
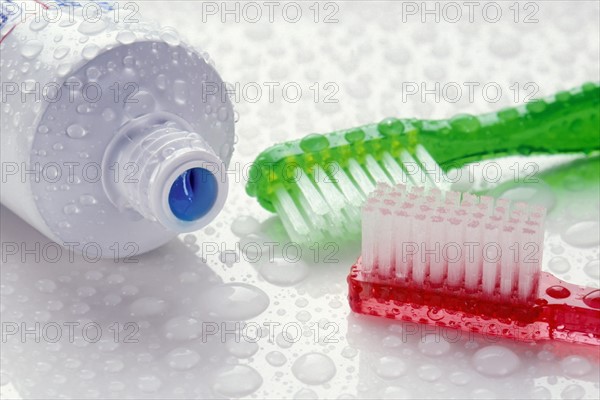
x: 465, y: 262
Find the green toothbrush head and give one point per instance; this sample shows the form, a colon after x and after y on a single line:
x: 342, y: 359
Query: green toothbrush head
x: 281, y: 164
x: 317, y: 184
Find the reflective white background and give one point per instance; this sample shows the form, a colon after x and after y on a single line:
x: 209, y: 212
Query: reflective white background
x: 179, y: 295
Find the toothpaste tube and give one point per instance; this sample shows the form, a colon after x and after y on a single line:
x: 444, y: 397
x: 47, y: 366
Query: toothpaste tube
x: 115, y: 134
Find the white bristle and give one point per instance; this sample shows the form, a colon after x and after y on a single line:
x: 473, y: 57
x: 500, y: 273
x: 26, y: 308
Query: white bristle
x: 328, y: 198
x: 358, y: 175
x: 453, y: 242
x: 394, y: 169
x: 290, y: 215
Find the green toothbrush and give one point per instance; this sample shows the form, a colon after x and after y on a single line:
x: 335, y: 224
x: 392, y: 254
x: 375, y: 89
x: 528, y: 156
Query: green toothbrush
x: 317, y: 184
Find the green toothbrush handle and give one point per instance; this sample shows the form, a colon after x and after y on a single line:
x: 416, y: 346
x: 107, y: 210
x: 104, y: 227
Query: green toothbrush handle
x: 567, y: 122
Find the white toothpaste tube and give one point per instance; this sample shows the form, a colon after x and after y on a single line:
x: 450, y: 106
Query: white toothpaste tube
x: 115, y: 135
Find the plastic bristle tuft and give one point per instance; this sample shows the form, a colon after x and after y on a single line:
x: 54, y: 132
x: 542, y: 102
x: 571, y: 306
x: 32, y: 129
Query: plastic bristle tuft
x: 451, y: 242
x: 325, y: 201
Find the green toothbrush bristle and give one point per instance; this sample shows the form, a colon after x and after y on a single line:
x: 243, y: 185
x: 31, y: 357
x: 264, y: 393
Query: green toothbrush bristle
x: 277, y: 164
x: 317, y: 184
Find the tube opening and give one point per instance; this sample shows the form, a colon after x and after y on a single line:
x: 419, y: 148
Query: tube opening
x: 193, y: 194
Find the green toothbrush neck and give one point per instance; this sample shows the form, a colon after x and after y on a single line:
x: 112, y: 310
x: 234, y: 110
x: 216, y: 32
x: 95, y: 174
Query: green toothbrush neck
x: 564, y: 123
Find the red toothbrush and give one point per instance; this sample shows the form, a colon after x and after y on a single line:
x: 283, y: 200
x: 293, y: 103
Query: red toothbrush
x: 465, y: 262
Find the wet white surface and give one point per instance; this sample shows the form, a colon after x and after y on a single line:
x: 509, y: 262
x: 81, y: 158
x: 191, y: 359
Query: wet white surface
x: 229, y: 311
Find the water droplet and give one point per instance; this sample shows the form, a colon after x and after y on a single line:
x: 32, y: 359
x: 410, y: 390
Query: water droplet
x: 508, y: 114
x: 303, y: 316
x: 86, y: 291
x: 592, y: 299
x: 108, y: 114
x: 284, y: 341
x: 93, y: 275
x: 63, y: 69
x: 125, y: 37
x: 301, y: 302
x: 460, y: 378
x: 572, y: 392
x: 582, y: 234
x: 244, y: 225
x: 140, y: 104
x: 222, y: 114
x: 147, y: 306
x: 592, y: 269
x: 37, y: 24
x: 90, y: 51
x: 429, y: 373
x: 182, y: 358
x: 71, y: 209
x: 540, y: 393
x: 60, y: 52
x: 532, y: 193
x: 32, y: 48
x: 182, y: 328
x: 465, y: 123
x: 313, y: 368
x: 558, y: 292
x: 495, y: 361
x: 390, y: 367
x: 161, y: 82
x: 87, y: 200
x: 237, y: 381
x: 229, y: 257
x: 434, y: 345
x: 314, y: 142
x: 242, y: 348
x: 282, y: 273
x: 58, y: 146
x: 92, y: 27
x: 180, y: 91
x: 276, y: 358
x: 575, y: 366
x: 391, y: 341
x: 112, y: 299
x: 390, y: 127
x: 80, y: 308
x: 129, y: 61
x: 46, y: 285
x: 76, y: 131
x: 113, y: 365
x: 355, y: 135
x: 557, y: 249
x: 85, y: 108
x: 149, y: 383
x: 189, y: 239
x: 234, y: 301
x: 349, y: 352
x: 536, y: 106
x: 559, y: 264
x: 170, y: 36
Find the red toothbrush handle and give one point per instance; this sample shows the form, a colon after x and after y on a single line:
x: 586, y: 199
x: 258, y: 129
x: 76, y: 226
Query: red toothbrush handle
x: 572, y: 312
x: 561, y: 311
